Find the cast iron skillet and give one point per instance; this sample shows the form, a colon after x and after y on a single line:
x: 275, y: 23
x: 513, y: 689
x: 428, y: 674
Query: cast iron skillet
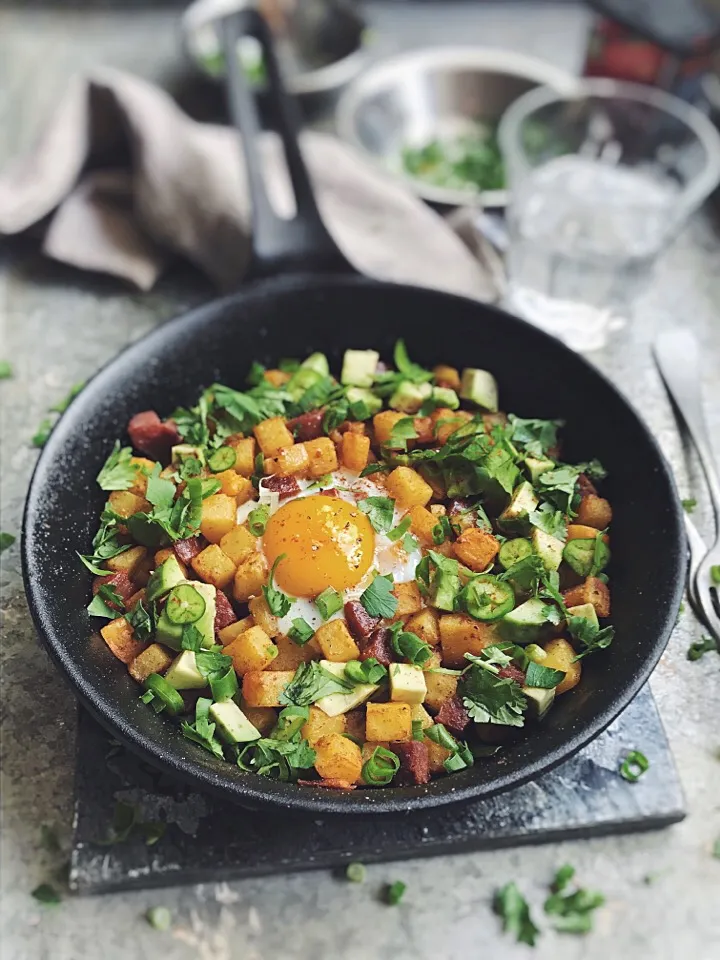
x: 307, y: 298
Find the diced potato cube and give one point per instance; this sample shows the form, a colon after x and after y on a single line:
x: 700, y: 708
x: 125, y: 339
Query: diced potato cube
x: 262, y: 688
x: 355, y: 724
x: 447, y: 421
x: 162, y: 555
x: 419, y: 713
x: 594, y: 512
x: 593, y: 591
x: 153, y: 659
x: 251, y: 651
x: 322, y: 455
x: 144, y: 469
x: 244, y: 455
x: 292, y: 461
x: 388, y: 721
x: 578, y: 531
x: 128, y: 560
x: 437, y: 756
x: 440, y: 687
x: 214, y: 566
x: 425, y: 430
x: 434, y: 660
x: 422, y: 522
x: 272, y: 435
x: 319, y: 725
x: 262, y: 718
x: 238, y: 544
x: 561, y: 656
x: 230, y: 633
x: 234, y: 485
x: 135, y: 599
x: 126, y: 504
x: 408, y: 488
x: 336, y: 642
x: 476, y: 548
x: 291, y: 655
x: 260, y: 611
x: 407, y: 683
x: 461, y: 634
x: 426, y: 625
x: 355, y: 451
x: 408, y: 598
x: 448, y: 377
x: 383, y: 424
x: 119, y: 636
x: 219, y: 513
x: 337, y: 757
x: 276, y: 377
x: 250, y: 576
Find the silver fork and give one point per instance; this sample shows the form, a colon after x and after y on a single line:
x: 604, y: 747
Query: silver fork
x: 677, y: 354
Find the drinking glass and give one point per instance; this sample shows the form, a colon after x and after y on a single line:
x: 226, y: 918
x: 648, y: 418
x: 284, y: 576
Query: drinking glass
x: 601, y: 180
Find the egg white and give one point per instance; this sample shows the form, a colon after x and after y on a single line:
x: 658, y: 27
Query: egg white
x: 388, y: 558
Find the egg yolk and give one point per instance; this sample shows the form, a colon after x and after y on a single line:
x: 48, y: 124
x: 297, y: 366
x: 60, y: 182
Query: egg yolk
x: 327, y: 542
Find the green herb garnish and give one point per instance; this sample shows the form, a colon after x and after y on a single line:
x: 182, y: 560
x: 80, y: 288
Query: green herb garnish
x: 379, y: 511
x: 571, y: 912
x: 328, y: 603
x: 634, y: 766
x: 117, y: 472
x: 46, y: 893
x: 514, y: 910
x: 378, y: 599
x: 62, y: 405
x: 689, y: 504
x: 489, y: 699
x: 698, y: 648
x: 379, y: 769
x: 257, y: 520
x: 544, y: 677
x: 312, y: 682
x: 6, y: 370
x: 592, y: 638
x: 395, y: 892
x: 6, y: 540
x: 99, y: 606
x: 42, y: 433
x: 301, y: 631
x: 278, y: 602
x: 202, y: 731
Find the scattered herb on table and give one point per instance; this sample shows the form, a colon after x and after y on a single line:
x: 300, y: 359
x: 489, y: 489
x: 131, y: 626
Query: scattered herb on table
x: 634, y: 766
x: 42, y: 433
x: 394, y: 892
x: 6, y: 540
x: 689, y: 504
x: 48, y: 839
x: 571, y: 912
x: 716, y: 849
x: 46, y: 893
x: 356, y: 872
x: 6, y: 370
x: 513, y: 908
x: 62, y: 405
x: 698, y: 648
x: 715, y: 573
x: 159, y: 918
x: 125, y: 821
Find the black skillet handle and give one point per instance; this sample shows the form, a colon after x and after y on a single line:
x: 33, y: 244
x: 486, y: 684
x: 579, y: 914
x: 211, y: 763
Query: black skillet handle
x: 278, y: 245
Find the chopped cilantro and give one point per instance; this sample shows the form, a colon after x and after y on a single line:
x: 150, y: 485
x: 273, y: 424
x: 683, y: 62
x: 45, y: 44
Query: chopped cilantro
x: 409, y: 370
x: 202, y: 731
x: 409, y: 646
x: 535, y: 437
x: 544, y: 677
x: 489, y: 699
x: 514, y: 910
x: 571, y: 912
x: 401, y: 432
x: 551, y: 521
x: 378, y: 599
x: 99, y: 606
x: 689, y: 504
x: 142, y: 620
x: 278, y: 602
x: 62, y: 405
x: 46, y: 893
x: 591, y: 637
x: 6, y: 540
x: 559, y: 487
x: 379, y: 511
x: 6, y: 370
x: 699, y: 648
x: 312, y: 682
x: 394, y: 893
x: 117, y: 472
x: 43, y: 432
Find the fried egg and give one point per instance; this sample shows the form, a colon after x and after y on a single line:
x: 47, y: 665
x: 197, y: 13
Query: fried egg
x: 326, y: 540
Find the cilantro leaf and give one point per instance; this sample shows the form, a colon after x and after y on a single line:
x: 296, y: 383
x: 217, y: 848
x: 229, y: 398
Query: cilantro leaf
x: 160, y: 492
x: 6, y: 370
x: 379, y: 511
x: 404, y: 365
x: 42, y: 433
x: 489, y: 699
x: 46, y: 893
x: 310, y: 683
x: 212, y: 665
x: 544, y: 677
x: 702, y: 646
x: 592, y: 469
x: 402, y: 431
x: 99, y: 605
x: 559, y: 487
x: 62, y: 405
x: 549, y: 520
x: 278, y: 759
x: 278, y: 602
x: 202, y: 731
x: 514, y: 910
x: 142, y: 620
x: 117, y: 473
x: 535, y: 437
x: 6, y: 540
x: 689, y: 504
x: 493, y: 657
x: 571, y: 912
x: 378, y: 599
x: 591, y: 637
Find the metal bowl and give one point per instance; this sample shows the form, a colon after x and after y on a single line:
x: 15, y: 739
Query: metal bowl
x: 441, y: 94
x: 200, y: 39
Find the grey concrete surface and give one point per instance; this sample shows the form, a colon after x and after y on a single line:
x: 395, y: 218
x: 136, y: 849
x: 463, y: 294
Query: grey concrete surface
x: 57, y: 327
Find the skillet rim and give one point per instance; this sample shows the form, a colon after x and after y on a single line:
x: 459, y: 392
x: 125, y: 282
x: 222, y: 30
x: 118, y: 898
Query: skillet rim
x: 287, y: 795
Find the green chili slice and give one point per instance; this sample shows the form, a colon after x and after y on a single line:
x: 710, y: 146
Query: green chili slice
x: 222, y: 459
x: 184, y: 604
x: 162, y: 691
x: 513, y: 551
x: 487, y: 598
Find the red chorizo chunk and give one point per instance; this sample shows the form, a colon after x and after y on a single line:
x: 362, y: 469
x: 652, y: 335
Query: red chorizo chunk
x: 308, y: 426
x: 284, y: 486
x: 224, y: 613
x: 187, y: 550
x: 586, y: 486
x: 453, y: 715
x: 378, y: 645
x: 414, y: 762
x: 120, y: 582
x: 512, y: 673
x: 153, y: 436
x: 360, y: 623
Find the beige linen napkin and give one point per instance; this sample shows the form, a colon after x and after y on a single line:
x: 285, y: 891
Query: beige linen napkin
x: 126, y: 180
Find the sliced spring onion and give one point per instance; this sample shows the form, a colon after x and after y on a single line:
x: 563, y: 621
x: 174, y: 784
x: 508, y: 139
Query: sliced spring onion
x: 222, y: 459
x: 328, y: 603
x: 381, y: 767
x: 184, y: 604
x: 257, y: 521
x: 634, y: 766
x: 355, y: 872
x: 417, y: 730
x: 300, y: 631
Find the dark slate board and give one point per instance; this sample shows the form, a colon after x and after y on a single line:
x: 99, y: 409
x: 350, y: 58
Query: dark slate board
x: 207, y: 841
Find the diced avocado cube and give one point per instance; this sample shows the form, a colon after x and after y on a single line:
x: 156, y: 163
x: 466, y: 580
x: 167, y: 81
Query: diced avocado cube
x: 586, y: 611
x: 527, y: 623
x: 183, y: 673
x: 480, y: 387
x: 446, y: 397
x: 358, y: 369
x: 363, y: 395
x: 548, y: 548
x: 163, y: 579
x: 539, y: 701
x: 317, y: 362
x: 535, y: 653
x: 183, y: 451
x: 336, y: 703
x: 537, y: 467
x: 515, y: 516
x: 303, y: 379
x: 409, y: 397
x: 171, y: 633
x: 407, y: 683
x: 232, y: 724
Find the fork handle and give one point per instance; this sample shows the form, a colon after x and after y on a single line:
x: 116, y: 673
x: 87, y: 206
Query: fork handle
x: 677, y: 354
